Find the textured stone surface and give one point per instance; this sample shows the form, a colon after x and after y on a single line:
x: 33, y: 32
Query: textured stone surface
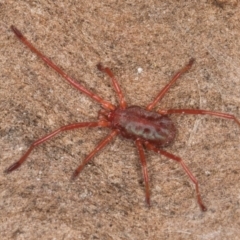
x: 144, y: 43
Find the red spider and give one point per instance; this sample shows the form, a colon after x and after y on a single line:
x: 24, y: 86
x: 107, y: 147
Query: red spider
x: 154, y: 130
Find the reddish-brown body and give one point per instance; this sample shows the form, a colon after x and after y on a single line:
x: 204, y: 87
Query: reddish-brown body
x: 138, y: 123
x: 153, y: 130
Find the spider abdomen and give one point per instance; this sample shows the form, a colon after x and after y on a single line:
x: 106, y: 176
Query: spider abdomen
x: 135, y: 122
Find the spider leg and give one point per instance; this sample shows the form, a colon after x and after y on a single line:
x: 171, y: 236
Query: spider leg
x: 201, y: 112
x: 50, y: 135
x: 186, y: 169
x: 166, y: 88
x: 72, y: 81
x: 144, y: 170
x: 116, y: 86
x: 102, y: 144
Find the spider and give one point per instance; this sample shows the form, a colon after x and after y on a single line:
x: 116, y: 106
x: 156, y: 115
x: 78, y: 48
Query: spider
x: 152, y: 130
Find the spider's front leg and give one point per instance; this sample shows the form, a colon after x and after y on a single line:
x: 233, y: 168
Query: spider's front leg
x: 73, y: 82
x: 162, y: 93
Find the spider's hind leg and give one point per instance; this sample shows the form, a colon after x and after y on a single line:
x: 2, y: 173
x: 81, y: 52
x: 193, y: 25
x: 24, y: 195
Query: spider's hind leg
x: 184, y: 166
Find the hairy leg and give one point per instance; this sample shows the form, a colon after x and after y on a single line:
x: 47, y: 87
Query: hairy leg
x: 186, y: 169
x: 72, y: 81
x: 101, y: 145
x: 144, y: 170
x: 162, y: 93
x: 201, y: 112
x: 51, y: 135
x: 116, y: 86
